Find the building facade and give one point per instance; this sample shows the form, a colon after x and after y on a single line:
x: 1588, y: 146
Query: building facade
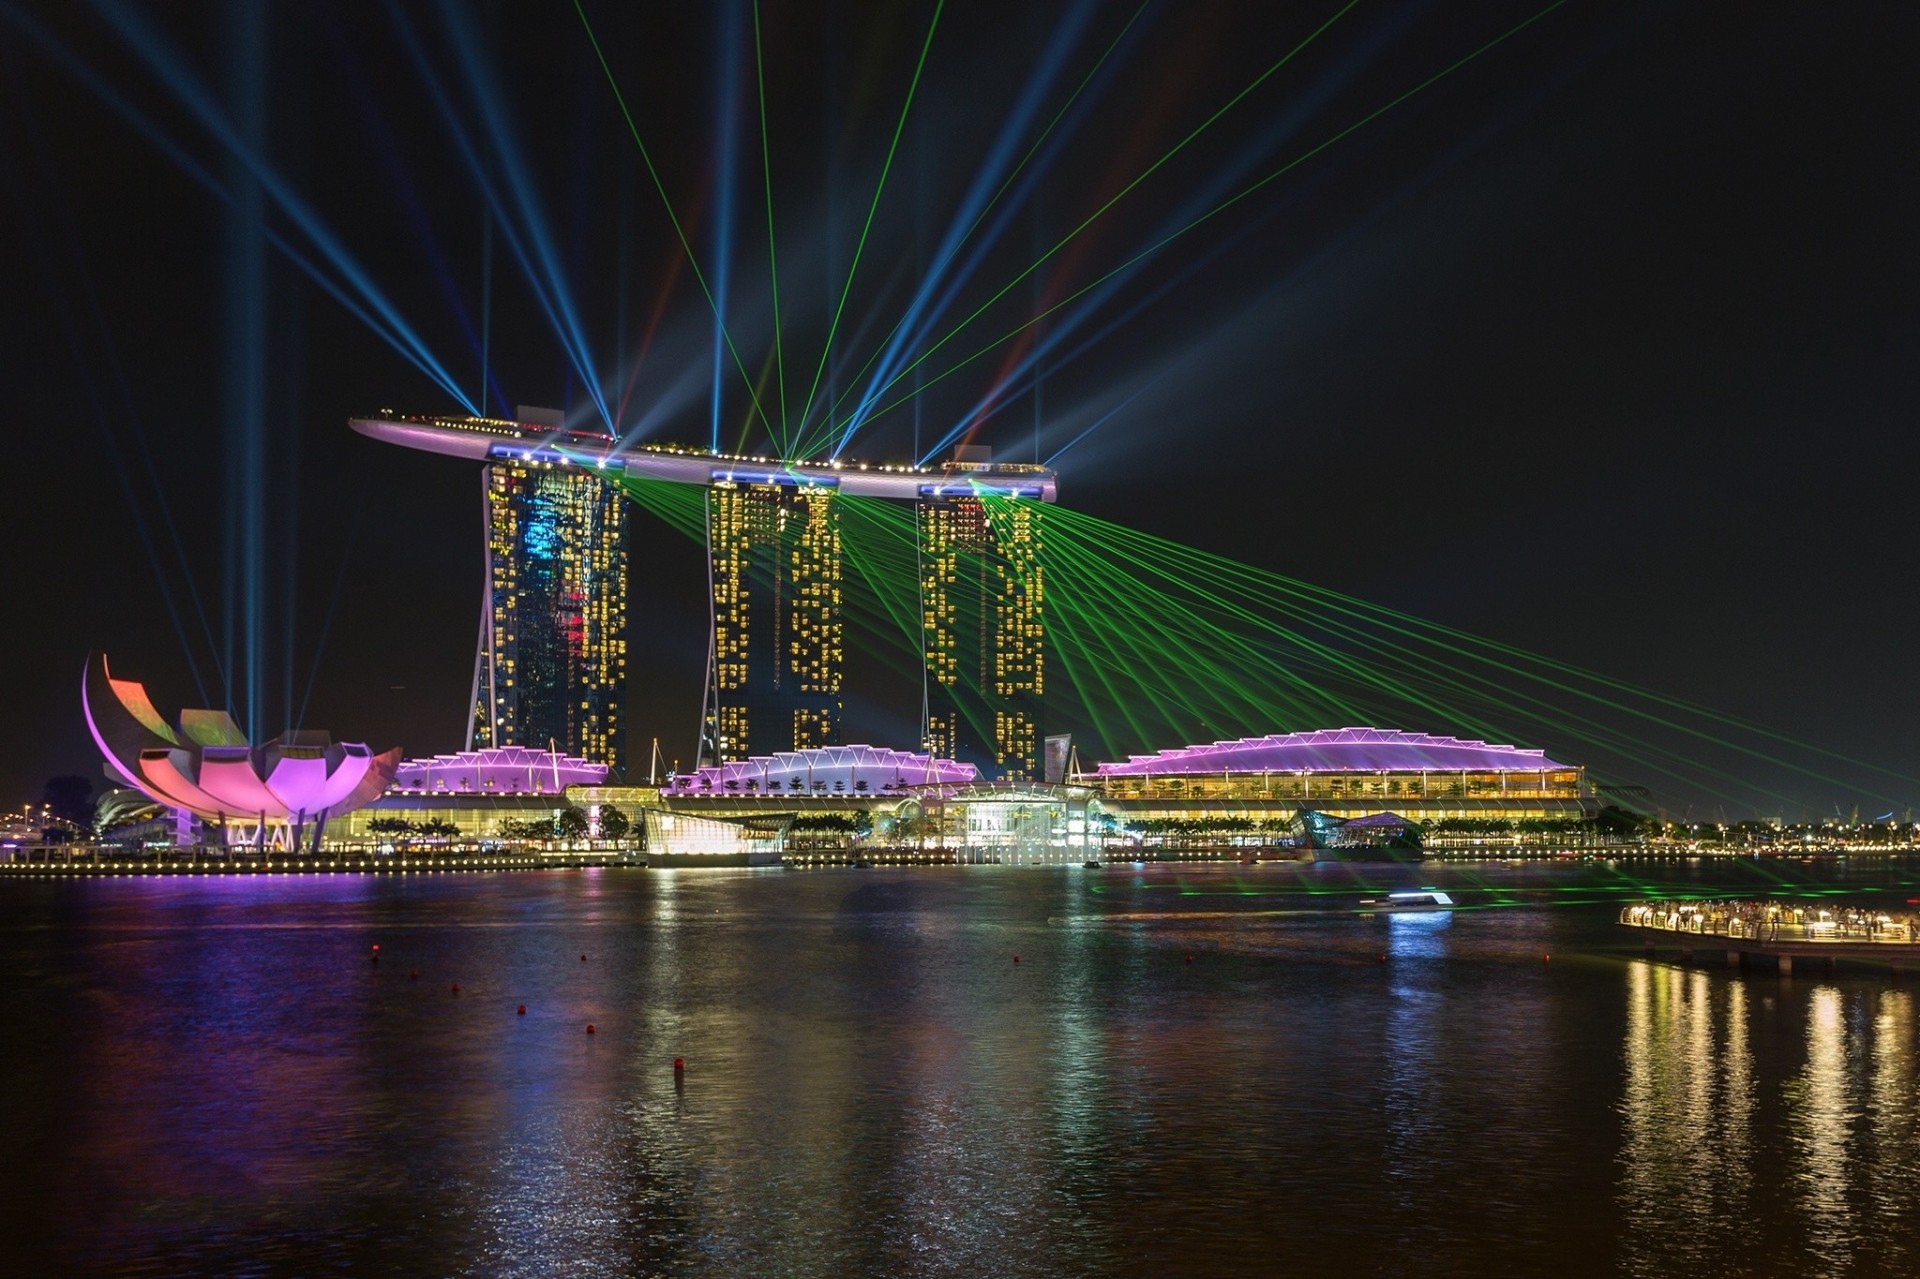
x: 550, y: 669
x: 983, y: 631
x: 1346, y: 773
x: 776, y: 657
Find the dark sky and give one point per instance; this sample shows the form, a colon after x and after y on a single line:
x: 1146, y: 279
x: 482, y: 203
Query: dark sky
x: 1602, y: 345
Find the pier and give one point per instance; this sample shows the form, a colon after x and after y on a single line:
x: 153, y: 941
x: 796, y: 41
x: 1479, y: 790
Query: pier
x: 1780, y: 931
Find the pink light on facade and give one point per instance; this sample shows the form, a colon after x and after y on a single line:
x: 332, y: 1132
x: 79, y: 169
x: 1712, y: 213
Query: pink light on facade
x: 1337, y: 750
x: 207, y: 769
x: 825, y: 768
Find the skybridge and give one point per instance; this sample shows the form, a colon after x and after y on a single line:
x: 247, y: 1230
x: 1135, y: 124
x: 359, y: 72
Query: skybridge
x: 484, y: 439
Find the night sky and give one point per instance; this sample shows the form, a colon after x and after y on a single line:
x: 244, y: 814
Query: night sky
x: 1603, y: 344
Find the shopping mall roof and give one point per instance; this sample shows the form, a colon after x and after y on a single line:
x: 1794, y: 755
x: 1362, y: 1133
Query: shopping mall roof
x: 1338, y: 750
x: 499, y: 770
x: 824, y: 768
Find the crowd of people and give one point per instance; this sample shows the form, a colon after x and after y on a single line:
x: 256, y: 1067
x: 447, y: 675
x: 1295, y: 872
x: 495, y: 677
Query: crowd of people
x: 1769, y: 920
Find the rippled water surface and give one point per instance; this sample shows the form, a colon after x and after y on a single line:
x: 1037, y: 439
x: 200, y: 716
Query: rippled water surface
x: 1187, y: 1072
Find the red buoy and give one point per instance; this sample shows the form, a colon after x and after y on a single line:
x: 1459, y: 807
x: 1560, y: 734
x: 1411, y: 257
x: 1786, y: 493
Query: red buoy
x: 583, y: 959
x: 376, y: 948
x: 1189, y: 959
x: 1383, y: 959
x: 679, y: 1064
x: 456, y: 988
x: 416, y: 974
x: 589, y: 1028
x: 1546, y: 959
x: 523, y: 1010
x: 1016, y: 959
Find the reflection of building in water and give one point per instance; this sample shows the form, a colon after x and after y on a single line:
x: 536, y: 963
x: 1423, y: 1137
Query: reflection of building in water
x: 1821, y: 1116
x: 1896, y: 1108
x: 1686, y: 1106
x: 1699, y: 1150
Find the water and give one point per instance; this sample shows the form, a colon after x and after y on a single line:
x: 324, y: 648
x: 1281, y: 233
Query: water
x: 213, y: 1078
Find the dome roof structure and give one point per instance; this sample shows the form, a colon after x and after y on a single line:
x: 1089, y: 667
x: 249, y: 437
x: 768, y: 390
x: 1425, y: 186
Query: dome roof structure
x: 824, y: 768
x: 1338, y: 750
x: 499, y: 770
x: 207, y: 767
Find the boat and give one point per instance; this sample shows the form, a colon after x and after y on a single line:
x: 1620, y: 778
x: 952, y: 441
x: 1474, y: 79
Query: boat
x: 1090, y: 865
x: 1408, y: 901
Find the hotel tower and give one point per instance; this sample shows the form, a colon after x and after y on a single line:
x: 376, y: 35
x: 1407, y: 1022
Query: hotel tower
x: 550, y: 669
x: 776, y: 656
x: 984, y: 636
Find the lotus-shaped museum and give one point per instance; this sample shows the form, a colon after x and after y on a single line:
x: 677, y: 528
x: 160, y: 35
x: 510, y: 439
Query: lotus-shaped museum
x: 273, y: 792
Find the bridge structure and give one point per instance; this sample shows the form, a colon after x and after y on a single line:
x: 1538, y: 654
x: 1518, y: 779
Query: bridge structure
x: 1780, y: 931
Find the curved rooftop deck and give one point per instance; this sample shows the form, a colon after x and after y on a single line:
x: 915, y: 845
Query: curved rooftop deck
x: 484, y: 439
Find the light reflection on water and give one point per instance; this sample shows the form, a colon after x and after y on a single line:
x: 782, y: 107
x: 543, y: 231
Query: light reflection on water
x: 1190, y: 1071
x: 1769, y: 1124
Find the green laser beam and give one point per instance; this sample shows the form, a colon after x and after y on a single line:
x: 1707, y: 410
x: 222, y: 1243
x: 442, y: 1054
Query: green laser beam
x: 659, y: 186
x: 1019, y: 167
x: 826, y: 350
x: 773, y: 263
x: 1160, y: 244
x: 1123, y: 192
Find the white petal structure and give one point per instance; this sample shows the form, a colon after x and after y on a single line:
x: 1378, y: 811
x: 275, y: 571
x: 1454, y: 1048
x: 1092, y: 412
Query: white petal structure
x: 207, y: 767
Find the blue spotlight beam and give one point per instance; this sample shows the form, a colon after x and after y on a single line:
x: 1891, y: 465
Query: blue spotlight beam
x: 978, y: 200
x: 1154, y: 248
x: 1099, y: 422
x: 137, y: 121
x: 1044, y: 347
x: 245, y: 509
x: 959, y: 276
x: 530, y: 241
x: 401, y: 180
x: 542, y: 260
x: 1166, y: 157
x: 873, y: 206
x: 723, y: 211
x: 32, y: 213
x: 693, y: 260
x: 773, y: 257
x: 167, y: 66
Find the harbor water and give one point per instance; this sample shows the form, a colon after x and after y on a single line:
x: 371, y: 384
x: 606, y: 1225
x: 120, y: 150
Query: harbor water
x: 1155, y: 1071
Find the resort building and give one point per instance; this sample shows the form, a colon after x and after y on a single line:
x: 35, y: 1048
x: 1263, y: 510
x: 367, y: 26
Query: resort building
x: 551, y: 665
x: 1347, y: 773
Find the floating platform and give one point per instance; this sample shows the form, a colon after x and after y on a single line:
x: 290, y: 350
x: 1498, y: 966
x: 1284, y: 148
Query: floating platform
x: 1783, y: 934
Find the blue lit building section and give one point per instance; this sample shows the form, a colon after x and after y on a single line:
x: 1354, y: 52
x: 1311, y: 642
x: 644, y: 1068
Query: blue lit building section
x: 550, y: 669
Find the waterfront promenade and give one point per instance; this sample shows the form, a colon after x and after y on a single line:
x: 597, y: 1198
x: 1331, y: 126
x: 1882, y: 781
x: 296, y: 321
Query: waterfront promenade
x: 1781, y: 931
